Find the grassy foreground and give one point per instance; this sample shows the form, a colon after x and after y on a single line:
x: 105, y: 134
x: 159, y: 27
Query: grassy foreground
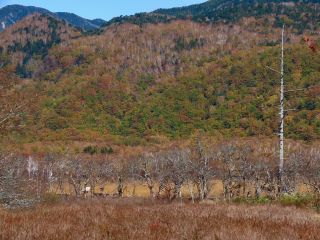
x: 141, y: 219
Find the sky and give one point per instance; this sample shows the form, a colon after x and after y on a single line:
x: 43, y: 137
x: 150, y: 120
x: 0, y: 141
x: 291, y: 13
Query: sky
x: 105, y: 9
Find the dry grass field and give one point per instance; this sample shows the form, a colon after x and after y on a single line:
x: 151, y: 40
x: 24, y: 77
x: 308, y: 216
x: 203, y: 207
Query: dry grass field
x: 142, y: 219
x: 138, y: 189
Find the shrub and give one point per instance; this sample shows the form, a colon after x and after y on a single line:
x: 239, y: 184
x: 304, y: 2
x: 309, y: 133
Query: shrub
x: 106, y: 150
x: 253, y: 200
x: 298, y: 200
x: 262, y: 200
x: 90, y: 150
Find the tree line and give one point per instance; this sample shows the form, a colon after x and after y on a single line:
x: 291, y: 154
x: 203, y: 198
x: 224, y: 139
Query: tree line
x: 243, y: 171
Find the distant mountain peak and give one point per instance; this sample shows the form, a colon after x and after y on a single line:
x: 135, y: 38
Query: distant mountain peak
x: 13, y: 13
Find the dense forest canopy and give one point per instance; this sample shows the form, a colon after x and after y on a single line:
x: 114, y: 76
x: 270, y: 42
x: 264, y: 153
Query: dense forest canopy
x: 164, y: 74
x: 300, y: 15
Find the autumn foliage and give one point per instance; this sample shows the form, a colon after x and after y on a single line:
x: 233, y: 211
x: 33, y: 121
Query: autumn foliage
x: 132, y: 83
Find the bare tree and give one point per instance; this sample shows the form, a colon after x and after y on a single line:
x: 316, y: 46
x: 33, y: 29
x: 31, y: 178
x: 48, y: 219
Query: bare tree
x: 264, y: 179
x: 50, y: 163
x: 60, y: 171
x: 95, y: 170
x: 15, y: 188
x: 202, y: 162
x: 120, y: 173
x: 309, y: 168
x: 107, y: 173
x: 235, y: 169
x: 178, y: 162
x: 77, y: 174
x: 147, y: 172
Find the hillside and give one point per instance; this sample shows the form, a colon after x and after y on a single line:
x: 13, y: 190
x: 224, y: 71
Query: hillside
x: 133, y: 84
x: 299, y: 15
x: 12, y: 14
x: 25, y: 45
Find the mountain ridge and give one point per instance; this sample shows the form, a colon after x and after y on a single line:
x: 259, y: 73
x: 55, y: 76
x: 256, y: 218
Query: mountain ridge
x: 233, y: 10
x: 11, y: 14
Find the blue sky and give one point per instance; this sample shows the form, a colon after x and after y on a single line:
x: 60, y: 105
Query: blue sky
x: 105, y: 9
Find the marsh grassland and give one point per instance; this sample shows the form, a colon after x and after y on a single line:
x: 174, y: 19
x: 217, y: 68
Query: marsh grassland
x: 144, y: 219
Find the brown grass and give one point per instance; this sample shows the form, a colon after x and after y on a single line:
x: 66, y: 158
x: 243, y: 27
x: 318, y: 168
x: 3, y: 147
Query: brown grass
x: 141, y: 219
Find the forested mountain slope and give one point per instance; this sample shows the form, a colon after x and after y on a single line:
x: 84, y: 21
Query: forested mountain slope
x: 12, y: 14
x: 300, y: 15
x: 232, y: 95
x: 136, y: 83
x: 25, y: 45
